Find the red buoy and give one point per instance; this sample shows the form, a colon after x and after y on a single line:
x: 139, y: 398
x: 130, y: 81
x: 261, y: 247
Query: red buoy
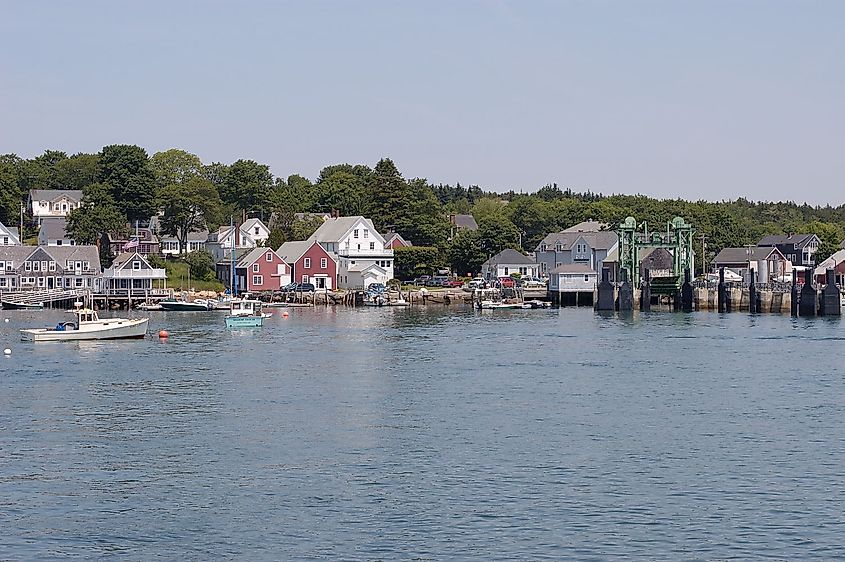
x: 163, y: 334
x: 285, y: 314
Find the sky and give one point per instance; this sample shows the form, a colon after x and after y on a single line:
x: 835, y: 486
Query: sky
x: 700, y: 100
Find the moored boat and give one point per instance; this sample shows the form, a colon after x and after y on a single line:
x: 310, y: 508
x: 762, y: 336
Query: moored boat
x: 7, y: 305
x: 89, y: 326
x: 245, y: 313
x: 183, y: 305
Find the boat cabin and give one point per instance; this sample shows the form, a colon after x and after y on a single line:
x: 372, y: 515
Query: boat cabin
x: 245, y: 307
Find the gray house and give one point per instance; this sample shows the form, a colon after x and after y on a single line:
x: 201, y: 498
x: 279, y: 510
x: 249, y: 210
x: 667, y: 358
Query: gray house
x: 507, y: 262
x: 800, y: 249
x: 583, y: 244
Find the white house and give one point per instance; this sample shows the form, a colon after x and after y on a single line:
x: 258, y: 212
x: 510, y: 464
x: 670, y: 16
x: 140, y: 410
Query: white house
x: 507, y: 262
x: 196, y: 242
x: 53, y: 232
x: 9, y: 236
x: 361, y: 255
x: 572, y: 283
x: 130, y: 271
x: 45, y: 203
x: 256, y: 230
x: 227, y: 238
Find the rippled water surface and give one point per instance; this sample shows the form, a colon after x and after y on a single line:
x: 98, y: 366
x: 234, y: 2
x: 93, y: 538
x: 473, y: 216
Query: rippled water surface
x: 430, y: 434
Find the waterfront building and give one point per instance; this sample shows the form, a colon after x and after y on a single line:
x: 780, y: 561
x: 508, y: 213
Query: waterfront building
x: 9, y: 236
x: 257, y: 269
x: 508, y: 262
x: 49, y: 267
x: 572, y: 284
x: 131, y: 273
x: 582, y: 244
x: 768, y: 262
x: 836, y: 262
x: 141, y: 240
x: 800, y: 249
x: 310, y: 263
x: 361, y: 254
x: 52, y: 203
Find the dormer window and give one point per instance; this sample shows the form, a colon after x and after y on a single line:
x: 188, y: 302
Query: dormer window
x: 269, y: 256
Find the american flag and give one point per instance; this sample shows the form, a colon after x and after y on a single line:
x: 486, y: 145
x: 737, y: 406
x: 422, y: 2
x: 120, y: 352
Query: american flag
x: 131, y: 244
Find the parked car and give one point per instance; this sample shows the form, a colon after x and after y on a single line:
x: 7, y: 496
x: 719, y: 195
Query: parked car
x: 477, y: 283
x: 376, y: 288
x: 421, y: 280
x: 508, y: 282
x: 453, y: 283
x: 437, y: 281
x: 300, y: 287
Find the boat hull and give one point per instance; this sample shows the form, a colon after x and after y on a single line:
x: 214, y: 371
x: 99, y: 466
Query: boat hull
x: 107, y: 330
x: 244, y: 321
x: 183, y: 307
x: 21, y: 306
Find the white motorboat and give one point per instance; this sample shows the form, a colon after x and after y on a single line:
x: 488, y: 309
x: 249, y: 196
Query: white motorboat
x: 89, y: 326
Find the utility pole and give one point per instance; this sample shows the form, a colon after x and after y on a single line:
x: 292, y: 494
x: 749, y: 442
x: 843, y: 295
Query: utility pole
x: 703, y: 256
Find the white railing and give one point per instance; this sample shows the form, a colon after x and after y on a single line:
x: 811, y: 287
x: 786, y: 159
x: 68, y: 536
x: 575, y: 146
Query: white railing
x: 135, y: 274
x: 363, y: 253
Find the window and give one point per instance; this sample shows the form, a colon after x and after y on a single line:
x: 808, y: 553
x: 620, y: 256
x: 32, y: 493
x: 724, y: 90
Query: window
x: 558, y: 248
x: 78, y: 282
x: 36, y: 266
x: 324, y: 263
x: 366, y: 233
x: 506, y: 271
x: 255, y: 268
x: 2, y: 281
x: 52, y: 266
x: 77, y: 265
x: 355, y: 233
x: 58, y: 242
x: 136, y: 265
x: 256, y: 231
x: 269, y: 256
x: 257, y: 279
x: 372, y: 245
x: 5, y: 240
x: 43, y: 266
x: 40, y: 281
x: 86, y: 265
x: 10, y: 266
x: 305, y: 279
x: 306, y: 263
x: 587, y: 277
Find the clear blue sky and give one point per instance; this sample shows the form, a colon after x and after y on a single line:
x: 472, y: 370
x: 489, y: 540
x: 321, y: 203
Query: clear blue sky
x: 708, y: 99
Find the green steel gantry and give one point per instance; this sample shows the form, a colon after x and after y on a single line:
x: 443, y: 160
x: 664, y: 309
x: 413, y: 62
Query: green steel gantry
x: 677, y: 239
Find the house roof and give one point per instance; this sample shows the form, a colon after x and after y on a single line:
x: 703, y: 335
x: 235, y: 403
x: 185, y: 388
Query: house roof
x: 746, y: 254
x: 16, y: 254
x: 12, y: 232
x: 249, y: 224
x: 253, y: 255
x: 396, y: 236
x: 578, y: 268
x: 831, y: 263
x: 193, y: 236
x: 53, y: 194
x: 465, y: 221
x: 598, y: 240
x: 54, y: 228
x: 334, y: 229
x: 125, y: 257
x: 587, y: 226
x: 509, y: 256
x: 292, y: 251
x: 799, y: 240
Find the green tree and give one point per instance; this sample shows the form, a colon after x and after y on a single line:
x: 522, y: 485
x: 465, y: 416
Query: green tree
x: 277, y: 238
x: 465, y: 253
x: 43, y: 171
x: 340, y: 192
x: 302, y: 229
x: 97, y: 215
x: 497, y: 233
x: 424, y: 221
x: 189, y: 206
x: 247, y: 186
x: 201, y: 265
x: 830, y: 236
x: 388, y: 195
x: 11, y: 193
x: 176, y: 166
x: 413, y: 261
x: 126, y: 170
x: 77, y: 171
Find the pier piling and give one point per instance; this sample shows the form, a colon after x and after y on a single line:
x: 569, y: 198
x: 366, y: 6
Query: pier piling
x: 808, y: 300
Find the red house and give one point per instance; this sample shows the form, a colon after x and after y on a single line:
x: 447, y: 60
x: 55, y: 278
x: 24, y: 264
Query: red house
x: 310, y: 263
x: 260, y: 269
x: 394, y: 240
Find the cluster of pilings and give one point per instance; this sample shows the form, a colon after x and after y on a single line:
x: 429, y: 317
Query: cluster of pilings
x: 803, y: 300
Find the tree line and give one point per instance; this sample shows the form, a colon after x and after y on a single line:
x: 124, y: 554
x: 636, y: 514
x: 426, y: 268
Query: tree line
x: 123, y: 184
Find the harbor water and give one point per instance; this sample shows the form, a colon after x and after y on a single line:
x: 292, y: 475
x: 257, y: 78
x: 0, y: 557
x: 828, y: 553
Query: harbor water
x: 438, y: 433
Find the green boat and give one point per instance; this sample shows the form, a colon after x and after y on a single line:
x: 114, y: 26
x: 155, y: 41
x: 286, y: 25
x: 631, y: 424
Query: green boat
x: 22, y: 305
x: 245, y: 313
